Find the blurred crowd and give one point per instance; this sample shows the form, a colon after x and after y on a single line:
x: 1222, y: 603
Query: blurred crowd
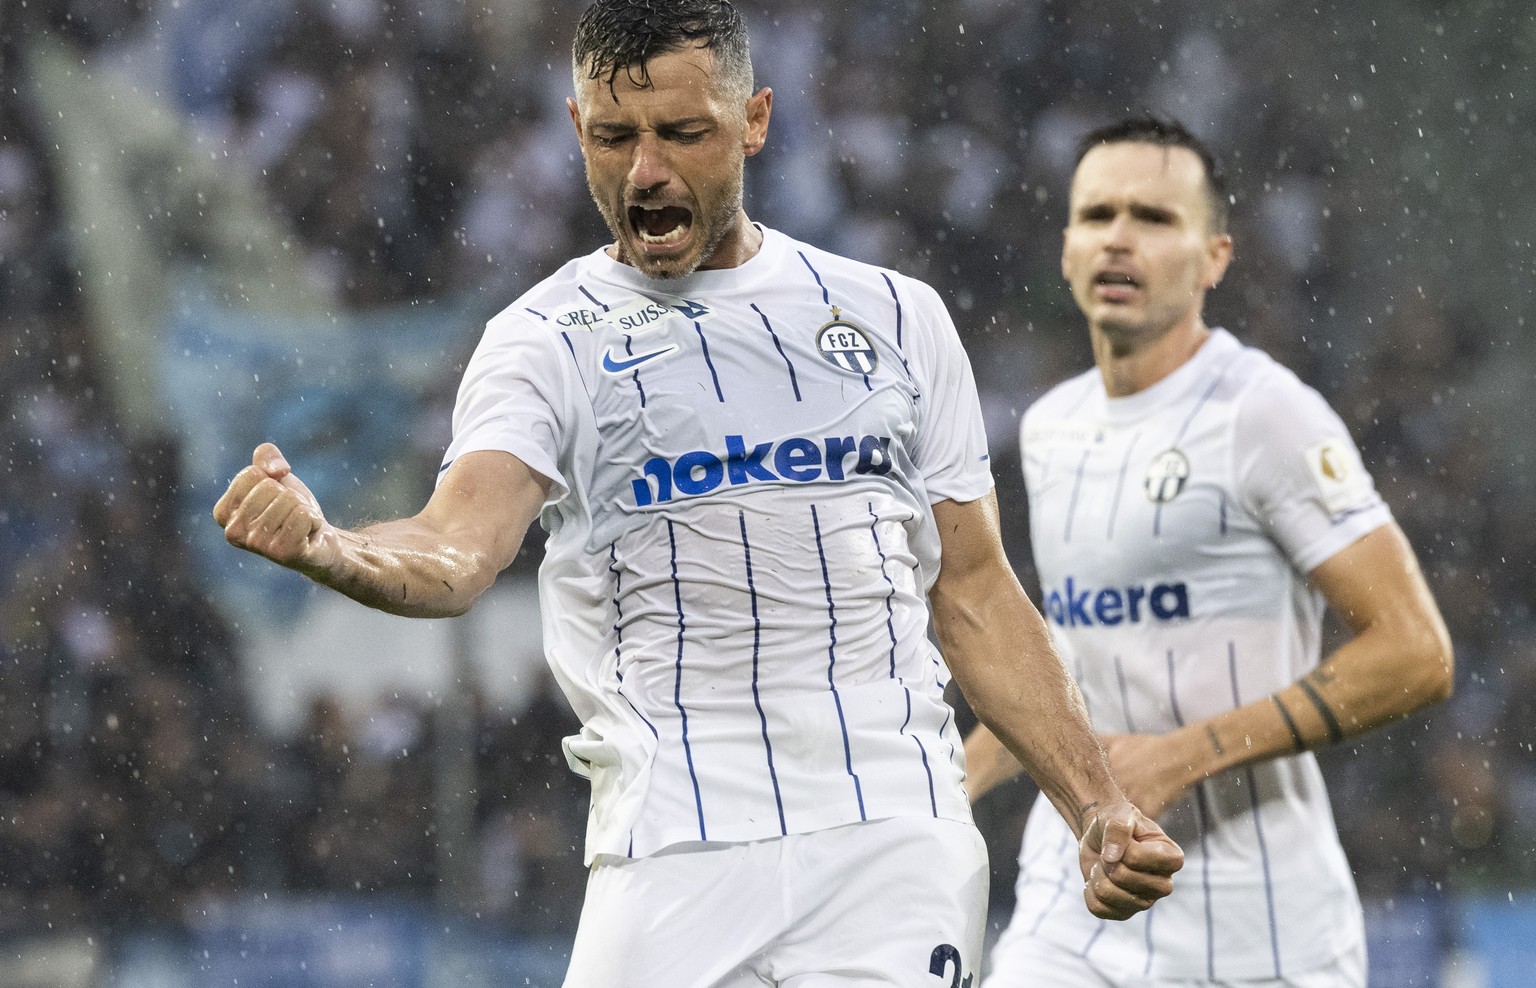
x: 418, y: 149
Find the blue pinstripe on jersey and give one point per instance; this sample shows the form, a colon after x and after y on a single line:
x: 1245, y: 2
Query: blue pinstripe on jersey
x: 794, y: 382
x: 1098, y: 931
x: 1061, y: 886
x: 1077, y: 488
x: 901, y: 349
x: 923, y: 754
x: 757, y: 639
x: 1036, y: 496
x: 1202, y: 814
x: 1258, y: 822
x: 827, y: 298
x: 618, y: 632
x: 890, y: 627
x: 618, y: 673
x: 826, y: 582
x: 579, y: 375
x: 1125, y: 696
x: 1114, y: 508
x: 634, y: 375
x: 704, y: 344
x: 677, y: 685
x: 1157, y: 514
x: 629, y: 343
x: 944, y: 732
x: 890, y: 615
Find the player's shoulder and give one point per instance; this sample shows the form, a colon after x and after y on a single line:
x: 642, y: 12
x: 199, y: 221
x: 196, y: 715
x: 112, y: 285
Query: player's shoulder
x: 1262, y: 387
x: 554, y: 305
x: 853, y: 270
x: 1066, y: 397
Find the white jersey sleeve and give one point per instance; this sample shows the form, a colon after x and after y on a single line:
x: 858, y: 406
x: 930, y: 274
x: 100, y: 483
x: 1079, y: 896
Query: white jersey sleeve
x: 514, y: 397
x: 951, y: 445
x: 1299, y: 473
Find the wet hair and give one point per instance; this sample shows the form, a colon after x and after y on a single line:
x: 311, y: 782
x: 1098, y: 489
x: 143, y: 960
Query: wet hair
x: 616, y: 36
x: 1166, y: 133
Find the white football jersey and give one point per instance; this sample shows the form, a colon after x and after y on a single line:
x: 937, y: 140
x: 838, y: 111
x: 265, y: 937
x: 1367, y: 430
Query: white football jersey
x: 1173, y: 531
x: 741, y: 540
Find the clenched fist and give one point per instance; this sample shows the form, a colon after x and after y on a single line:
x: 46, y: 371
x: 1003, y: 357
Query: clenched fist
x: 1128, y: 862
x: 269, y: 511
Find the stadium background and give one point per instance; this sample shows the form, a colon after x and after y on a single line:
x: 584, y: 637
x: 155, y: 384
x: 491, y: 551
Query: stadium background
x: 229, y: 220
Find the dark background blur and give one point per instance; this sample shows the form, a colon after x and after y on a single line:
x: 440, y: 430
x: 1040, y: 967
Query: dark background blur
x: 223, y: 221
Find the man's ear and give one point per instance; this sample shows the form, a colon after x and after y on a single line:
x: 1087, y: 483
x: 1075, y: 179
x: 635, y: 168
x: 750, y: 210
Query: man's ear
x: 759, y: 109
x: 1218, y: 256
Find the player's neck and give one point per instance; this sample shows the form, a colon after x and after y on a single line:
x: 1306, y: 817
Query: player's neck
x: 1130, y: 365
x: 738, y: 247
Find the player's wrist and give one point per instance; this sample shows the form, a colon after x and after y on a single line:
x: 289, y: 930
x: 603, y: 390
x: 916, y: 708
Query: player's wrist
x: 1199, y: 752
x: 1107, y: 804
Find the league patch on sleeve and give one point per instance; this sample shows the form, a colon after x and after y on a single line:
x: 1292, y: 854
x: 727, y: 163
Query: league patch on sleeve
x: 1340, y: 476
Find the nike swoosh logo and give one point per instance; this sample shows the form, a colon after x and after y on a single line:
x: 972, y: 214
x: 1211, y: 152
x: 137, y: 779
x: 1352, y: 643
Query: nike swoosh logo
x: 619, y: 366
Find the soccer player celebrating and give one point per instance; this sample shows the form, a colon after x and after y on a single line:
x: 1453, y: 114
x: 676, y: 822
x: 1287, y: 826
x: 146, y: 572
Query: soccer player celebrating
x: 1193, y: 507
x: 762, y: 468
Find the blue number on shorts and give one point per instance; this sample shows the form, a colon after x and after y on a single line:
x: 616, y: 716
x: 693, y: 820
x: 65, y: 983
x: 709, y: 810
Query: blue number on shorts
x: 942, y: 955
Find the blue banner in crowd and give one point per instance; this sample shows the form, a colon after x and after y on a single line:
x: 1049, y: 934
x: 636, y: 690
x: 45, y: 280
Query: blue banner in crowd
x: 358, y: 402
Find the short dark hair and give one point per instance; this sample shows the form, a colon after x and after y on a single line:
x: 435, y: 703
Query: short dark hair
x: 1168, y: 133
x: 616, y: 36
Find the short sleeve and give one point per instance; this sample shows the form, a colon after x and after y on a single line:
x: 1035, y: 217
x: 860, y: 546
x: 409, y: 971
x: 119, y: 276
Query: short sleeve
x: 1300, y: 473
x: 950, y: 448
x: 511, y: 398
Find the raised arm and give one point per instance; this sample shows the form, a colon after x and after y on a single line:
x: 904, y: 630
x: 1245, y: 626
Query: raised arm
x: 1398, y: 661
x: 1000, y: 653
x: 434, y: 564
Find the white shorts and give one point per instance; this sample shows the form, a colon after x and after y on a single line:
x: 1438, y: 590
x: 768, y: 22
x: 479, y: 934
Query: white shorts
x: 1024, y: 960
x: 895, y: 903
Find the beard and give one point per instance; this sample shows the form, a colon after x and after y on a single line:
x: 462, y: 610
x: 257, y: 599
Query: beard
x: 712, y: 219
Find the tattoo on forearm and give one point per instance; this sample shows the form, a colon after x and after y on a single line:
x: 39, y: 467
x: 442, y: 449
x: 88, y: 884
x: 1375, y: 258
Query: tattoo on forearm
x: 1210, y: 732
x: 1335, y: 732
x: 1290, y: 724
x: 1083, y: 812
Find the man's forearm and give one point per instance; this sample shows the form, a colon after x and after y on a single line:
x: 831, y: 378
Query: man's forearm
x: 988, y: 764
x: 1003, y: 660
x: 1370, y: 681
x: 403, y: 568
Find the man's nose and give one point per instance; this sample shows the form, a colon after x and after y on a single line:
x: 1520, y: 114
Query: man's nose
x: 650, y: 168
x: 1117, y: 234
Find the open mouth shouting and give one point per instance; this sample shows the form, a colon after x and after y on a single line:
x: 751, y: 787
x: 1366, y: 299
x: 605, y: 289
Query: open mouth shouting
x: 1115, y: 286
x: 660, y: 229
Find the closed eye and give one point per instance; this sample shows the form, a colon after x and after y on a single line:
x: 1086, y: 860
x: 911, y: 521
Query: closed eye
x: 609, y: 139
x: 1152, y: 214
x: 691, y: 135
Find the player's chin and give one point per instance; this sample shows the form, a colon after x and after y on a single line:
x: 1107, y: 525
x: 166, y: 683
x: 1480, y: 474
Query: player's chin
x: 661, y: 265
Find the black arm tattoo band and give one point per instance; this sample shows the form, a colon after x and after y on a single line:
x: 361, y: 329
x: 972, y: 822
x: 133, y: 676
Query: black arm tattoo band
x: 1335, y: 732
x: 1290, y: 724
x: 1215, y: 741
